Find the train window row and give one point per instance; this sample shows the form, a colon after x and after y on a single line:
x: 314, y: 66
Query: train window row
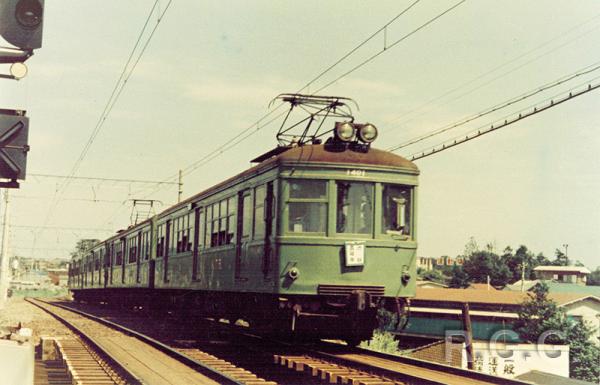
x: 308, y: 200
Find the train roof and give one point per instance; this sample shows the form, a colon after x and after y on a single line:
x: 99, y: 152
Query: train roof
x: 305, y: 154
x: 319, y: 153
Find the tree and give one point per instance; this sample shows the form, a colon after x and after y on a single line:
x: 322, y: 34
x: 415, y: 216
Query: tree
x: 83, y: 246
x: 483, y: 264
x: 459, y: 279
x: 561, y: 259
x: 594, y: 278
x: 539, y: 315
x: 431, y: 275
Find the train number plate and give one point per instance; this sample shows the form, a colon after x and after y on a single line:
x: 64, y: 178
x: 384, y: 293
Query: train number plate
x: 355, y: 253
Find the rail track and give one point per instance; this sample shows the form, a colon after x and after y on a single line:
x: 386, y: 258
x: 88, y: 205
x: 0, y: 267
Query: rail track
x: 135, y: 358
x: 317, y: 363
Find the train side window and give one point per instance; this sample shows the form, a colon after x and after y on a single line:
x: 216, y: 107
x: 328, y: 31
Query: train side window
x: 307, y: 206
x: 397, y: 203
x: 119, y: 258
x: 160, y: 244
x: 259, y: 212
x: 132, y: 249
x: 214, y: 237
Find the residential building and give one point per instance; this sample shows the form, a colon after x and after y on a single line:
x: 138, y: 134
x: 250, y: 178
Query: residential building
x: 567, y: 274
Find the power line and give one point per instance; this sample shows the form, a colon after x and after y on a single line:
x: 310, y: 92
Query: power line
x: 117, y: 90
x: 121, y: 83
x: 451, y: 91
x: 385, y: 48
x: 60, y: 228
x: 482, y: 131
x: 584, y: 71
x: 228, y: 145
x: 116, y: 180
x: 67, y: 199
x: 356, y: 48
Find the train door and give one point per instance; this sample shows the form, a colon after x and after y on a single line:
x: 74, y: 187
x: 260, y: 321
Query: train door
x: 122, y: 248
x: 166, y: 256
x: 151, y: 272
x: 106, y: 265
x: 138, y: 256
x: 111, y: 256
x: 243, y: 234
x: 269, y: 206
x: 197, y: 239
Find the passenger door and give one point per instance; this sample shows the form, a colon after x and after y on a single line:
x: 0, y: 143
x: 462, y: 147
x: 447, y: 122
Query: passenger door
x: 243, y: 235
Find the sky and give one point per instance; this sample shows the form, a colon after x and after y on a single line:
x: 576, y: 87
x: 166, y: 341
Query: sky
x: 211, y: 69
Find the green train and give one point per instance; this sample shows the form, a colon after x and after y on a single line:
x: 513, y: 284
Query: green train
x: 314, y: 239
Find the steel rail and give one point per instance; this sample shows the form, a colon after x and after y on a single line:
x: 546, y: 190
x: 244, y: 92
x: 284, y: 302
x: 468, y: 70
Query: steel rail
x: 197, y: 365
x: 127, y: 375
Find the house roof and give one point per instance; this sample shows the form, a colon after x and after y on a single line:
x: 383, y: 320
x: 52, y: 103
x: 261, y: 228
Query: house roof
x: 539, y: 377
x: 485, y: 297
x: 526, y: 285
x: 430, y: 284
x: 570, y: 269
x: 481, y: 286
x: 560, y: 287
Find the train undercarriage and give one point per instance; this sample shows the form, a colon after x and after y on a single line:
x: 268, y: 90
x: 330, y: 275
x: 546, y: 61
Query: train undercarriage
x: 351, y: 318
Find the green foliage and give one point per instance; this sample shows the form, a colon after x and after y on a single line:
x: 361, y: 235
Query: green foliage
x: 483, y: 264
x: 459, y: 279
x: 561, y: 259
x: 594, y: 278
x: 432, y: 275
x: 538, y: 314
x: 585, y: 356
x: 83, y: 246
x: 382, y: 341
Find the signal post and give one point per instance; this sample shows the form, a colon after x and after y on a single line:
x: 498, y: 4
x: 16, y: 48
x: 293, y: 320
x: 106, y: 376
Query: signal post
x: 21, y: 26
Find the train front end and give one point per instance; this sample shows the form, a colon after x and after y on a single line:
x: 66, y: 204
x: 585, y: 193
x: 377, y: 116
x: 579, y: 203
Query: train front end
x: 346, y: 241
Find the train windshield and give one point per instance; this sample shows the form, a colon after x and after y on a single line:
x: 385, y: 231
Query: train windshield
x: 354, y: 207
x: 307, y: 206
x: 396, y: 209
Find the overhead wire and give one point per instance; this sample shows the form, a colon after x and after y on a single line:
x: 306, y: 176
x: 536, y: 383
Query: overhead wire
x: 116, y: 92
x: 473, y: 80
x: 99, y: 179
x: 581, y: 72
x: 227, y: 145
x: 507, y: 120
x: 386, y: 48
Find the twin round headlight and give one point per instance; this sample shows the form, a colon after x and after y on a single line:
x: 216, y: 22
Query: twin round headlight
x: 347, y: 132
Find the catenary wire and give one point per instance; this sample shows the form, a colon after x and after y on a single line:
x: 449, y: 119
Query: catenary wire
x: 584, y: 71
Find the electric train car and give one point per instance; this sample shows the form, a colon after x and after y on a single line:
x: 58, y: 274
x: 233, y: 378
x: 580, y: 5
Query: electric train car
x: 313, y: 239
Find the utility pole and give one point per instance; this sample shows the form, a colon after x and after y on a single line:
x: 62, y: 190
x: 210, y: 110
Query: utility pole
x: 180, y: 192
x: 466, y: 321
x: 523, y: 276
x: 4, y: 262
x: 566, y: 246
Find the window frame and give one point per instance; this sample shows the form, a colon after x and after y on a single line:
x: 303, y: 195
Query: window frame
x: 375, y: 199
x: 379, y: 231
x: 287, y: 199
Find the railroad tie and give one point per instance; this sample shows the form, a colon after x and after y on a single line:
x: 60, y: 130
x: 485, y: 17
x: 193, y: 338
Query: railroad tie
x: 225, y: 367
x: 84, y: 367
x: 330, y: 372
